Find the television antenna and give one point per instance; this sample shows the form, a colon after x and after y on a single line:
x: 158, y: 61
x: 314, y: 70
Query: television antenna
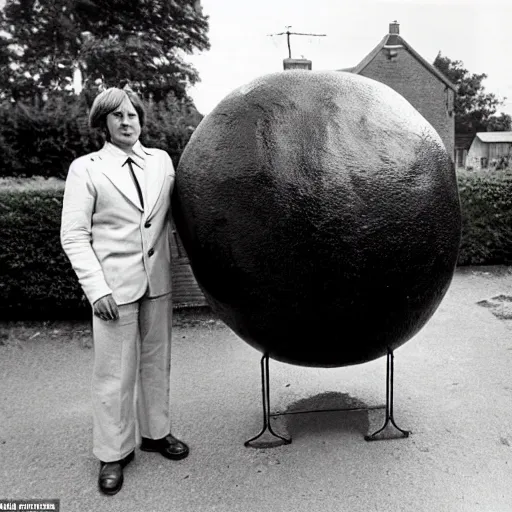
x: 288, y: 34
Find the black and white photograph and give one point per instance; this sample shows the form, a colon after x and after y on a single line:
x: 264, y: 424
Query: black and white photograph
x: 256, y: 256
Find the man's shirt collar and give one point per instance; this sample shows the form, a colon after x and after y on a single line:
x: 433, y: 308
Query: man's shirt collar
x: 138, y: 153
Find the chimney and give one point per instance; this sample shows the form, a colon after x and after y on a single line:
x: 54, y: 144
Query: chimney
x: 296, y: 64
x: 394, y: 27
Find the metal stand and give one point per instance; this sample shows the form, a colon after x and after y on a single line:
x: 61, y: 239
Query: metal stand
x: 265, y: 387
x: 390, y: 420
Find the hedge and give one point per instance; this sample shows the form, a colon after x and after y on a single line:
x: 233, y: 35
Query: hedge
x: 486, y: 206
x: 36, y: 279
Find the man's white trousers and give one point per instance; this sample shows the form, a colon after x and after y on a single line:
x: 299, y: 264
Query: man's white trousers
x: 131, y: 377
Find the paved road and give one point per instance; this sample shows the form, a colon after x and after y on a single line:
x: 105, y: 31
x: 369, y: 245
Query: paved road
x: 453, y: 390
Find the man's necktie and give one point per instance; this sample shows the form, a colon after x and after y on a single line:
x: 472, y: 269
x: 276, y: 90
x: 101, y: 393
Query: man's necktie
x: 129, y: 161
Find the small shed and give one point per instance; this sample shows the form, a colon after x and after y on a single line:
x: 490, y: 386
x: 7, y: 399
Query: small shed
x: 490, y: 150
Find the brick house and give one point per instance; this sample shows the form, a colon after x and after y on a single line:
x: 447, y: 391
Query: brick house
x: 395, y: 63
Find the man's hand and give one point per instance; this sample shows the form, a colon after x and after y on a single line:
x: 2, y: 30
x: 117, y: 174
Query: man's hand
x: 106, y: 308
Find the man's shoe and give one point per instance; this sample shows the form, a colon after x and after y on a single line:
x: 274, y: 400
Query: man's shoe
x: 168, y: 446
x: 110, y: 479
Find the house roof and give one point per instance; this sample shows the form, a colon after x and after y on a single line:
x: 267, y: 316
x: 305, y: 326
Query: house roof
x: 396, y: 41
x: 495, y: 136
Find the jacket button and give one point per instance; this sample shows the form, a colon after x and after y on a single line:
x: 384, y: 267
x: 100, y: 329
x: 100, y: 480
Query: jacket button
x: 151, y: 252
x: 147, y: 225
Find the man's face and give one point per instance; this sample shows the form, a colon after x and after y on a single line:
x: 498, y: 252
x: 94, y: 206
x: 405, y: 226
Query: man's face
x: 123, y: 125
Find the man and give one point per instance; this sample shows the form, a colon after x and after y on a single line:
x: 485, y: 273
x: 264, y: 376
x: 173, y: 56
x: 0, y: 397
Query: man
x: 116, y: 233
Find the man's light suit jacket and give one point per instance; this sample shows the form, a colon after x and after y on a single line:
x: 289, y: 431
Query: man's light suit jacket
x: 114, y: 245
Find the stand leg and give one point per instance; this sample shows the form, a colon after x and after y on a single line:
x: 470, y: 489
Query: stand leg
x: 390, y: 420
x: 265, y: 387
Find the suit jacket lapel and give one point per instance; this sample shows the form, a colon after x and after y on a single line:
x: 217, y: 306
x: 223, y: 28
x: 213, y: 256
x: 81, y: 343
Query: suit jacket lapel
x: 111, y: 165
x: 154, y: 176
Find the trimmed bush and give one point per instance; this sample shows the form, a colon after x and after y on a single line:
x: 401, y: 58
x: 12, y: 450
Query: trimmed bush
x: 36, y: 279
x: 486, y: 204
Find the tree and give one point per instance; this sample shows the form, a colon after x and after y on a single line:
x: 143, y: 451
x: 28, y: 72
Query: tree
x: 501, y: 123
x: 474, y: 107
x: 107, y: 41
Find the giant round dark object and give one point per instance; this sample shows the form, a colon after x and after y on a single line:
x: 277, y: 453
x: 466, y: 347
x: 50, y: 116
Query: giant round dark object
x: 320, y: 214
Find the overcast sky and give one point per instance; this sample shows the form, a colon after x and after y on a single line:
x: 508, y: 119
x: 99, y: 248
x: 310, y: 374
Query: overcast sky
x: 479, y: 33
